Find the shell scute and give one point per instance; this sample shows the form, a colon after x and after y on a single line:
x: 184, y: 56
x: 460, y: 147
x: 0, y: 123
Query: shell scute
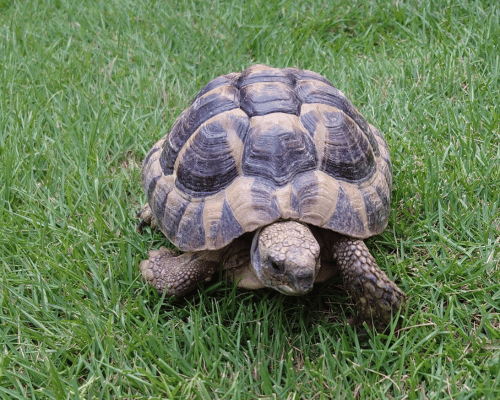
x: 347, y: 151
x: 224, y: 80
x: 207, y: 164
x: 315, y: 91
x: 277, y: 149
x: 261, y: 74
x: 265, y: 98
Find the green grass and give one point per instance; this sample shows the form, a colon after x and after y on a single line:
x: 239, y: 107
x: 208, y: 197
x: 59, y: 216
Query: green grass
x: 87, y: 87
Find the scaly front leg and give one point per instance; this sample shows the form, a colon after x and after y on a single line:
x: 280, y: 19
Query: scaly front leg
x: 178, y: 275
x: 377, y: 297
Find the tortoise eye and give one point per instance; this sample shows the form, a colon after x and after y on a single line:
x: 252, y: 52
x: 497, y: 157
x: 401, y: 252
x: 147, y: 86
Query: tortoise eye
x: 277, y: 267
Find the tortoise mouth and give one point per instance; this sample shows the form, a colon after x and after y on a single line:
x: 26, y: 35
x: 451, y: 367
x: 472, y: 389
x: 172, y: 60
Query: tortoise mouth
x: 298, y: 283
x: 293, y: 291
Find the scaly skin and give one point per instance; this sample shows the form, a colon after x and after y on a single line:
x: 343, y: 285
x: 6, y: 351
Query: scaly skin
x: 178, y: 275
x: 378, y: 298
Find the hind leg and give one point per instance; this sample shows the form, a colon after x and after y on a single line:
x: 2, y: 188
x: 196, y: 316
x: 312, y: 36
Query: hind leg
x: 147, y: 218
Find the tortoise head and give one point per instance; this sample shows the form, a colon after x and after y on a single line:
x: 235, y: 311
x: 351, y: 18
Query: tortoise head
x: 285, y: 257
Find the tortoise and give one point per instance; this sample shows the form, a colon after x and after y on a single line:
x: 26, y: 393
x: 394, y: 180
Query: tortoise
x: 273, y: 174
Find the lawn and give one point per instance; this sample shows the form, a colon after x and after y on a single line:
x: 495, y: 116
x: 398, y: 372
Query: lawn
x: 87, y: 87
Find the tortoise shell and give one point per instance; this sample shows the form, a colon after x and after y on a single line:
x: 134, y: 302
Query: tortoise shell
x: 264, y: 145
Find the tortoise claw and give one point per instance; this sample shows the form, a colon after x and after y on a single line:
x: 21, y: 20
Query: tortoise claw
x: 147, y: 218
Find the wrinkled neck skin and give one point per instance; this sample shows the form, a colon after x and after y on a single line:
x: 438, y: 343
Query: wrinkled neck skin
x: 286, y: 256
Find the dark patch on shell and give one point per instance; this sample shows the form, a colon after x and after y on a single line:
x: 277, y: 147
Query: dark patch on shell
x: 310, y: 91
x: 376, y: 212
x: 278, y: 153
x: 225, y: 98
x: 262, y: 195
x: 152, y: 186
x: 346, y: 219
x: 305, y: 191
x: 227, y: 228
x: 347, y: 154
x: 172, y: 216
x: 309, y: 120
x: 207, y: 166
x: 266, y: 98
x: 385, y: 197
x: 176, y: 139
x: 193, y: 231
x: 224, y: 80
